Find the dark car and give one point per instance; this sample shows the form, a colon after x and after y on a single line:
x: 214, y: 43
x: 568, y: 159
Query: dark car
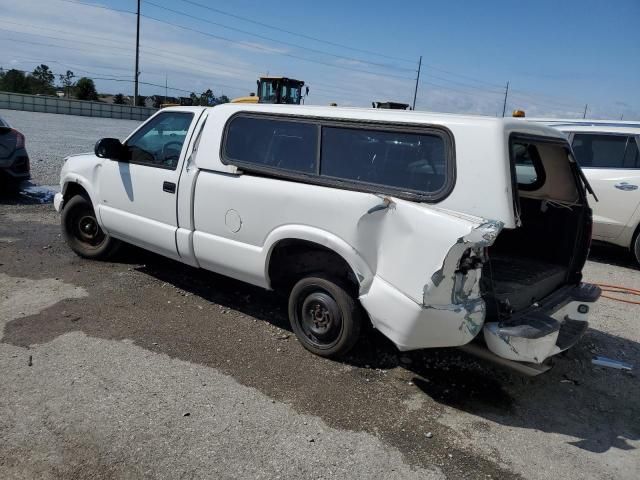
x: 14, y: 161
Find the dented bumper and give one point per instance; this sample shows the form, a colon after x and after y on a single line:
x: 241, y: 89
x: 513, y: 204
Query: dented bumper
x: 546, y: 329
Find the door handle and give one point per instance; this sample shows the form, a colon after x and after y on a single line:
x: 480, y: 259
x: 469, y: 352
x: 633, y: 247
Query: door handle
x: 624, y: 186
x: 169, y: 187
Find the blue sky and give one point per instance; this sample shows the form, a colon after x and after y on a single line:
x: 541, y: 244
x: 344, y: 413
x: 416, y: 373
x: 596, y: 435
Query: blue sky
x: 557, y: 55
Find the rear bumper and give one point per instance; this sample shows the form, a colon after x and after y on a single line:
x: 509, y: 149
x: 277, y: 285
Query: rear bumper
x: 16, y: 166
x: 546, y: 329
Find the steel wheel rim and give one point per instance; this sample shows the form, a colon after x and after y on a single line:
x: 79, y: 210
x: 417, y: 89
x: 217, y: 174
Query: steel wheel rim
x: 87, y: 230
x: 320, y: 318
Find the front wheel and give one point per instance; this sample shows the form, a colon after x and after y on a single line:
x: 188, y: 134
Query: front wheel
x: 635, y: 247
x: 324, y: 316
x: 82, y: 232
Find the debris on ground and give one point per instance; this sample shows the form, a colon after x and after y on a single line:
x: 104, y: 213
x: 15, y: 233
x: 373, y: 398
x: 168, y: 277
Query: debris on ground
x: 611, y: 363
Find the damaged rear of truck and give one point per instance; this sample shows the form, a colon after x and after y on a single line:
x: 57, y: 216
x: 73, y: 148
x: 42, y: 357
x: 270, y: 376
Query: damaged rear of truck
x: 510, y: 289
x: 514, y: 281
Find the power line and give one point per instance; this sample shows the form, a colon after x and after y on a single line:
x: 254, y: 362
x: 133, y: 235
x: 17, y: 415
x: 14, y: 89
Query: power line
x: 301, y: 35
x: 166, y: 54
x: 462, y: 84
x: 119, y: 45
x: 95, y: 5
x: 455, y: 89
x: 289, y: 44
x: 68, y: 66
x: 258, y: 47
x: 433, y: 67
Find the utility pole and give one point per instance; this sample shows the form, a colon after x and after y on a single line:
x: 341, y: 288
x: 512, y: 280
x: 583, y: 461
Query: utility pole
x: 136, y: 73
x: 506, y: 94
x: 584, y: 115
x: 165, y: 88
x: 415, y: 92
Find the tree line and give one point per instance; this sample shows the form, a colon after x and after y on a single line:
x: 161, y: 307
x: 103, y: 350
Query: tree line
x: 42, y: 81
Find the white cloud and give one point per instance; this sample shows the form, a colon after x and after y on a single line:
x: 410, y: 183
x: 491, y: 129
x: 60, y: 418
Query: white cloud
x: 100, y: 43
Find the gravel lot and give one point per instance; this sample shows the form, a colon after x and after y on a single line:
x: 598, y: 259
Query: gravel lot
x: 51, y: 137
x: 146, y: 368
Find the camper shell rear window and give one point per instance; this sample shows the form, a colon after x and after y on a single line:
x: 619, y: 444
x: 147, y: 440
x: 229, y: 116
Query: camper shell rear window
x: 412, y: 161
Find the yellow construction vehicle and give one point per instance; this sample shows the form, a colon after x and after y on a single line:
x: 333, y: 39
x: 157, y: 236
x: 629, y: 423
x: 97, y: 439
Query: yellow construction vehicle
x: 276, y: 90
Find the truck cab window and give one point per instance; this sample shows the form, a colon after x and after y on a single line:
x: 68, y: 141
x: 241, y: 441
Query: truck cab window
x: 159, y: 142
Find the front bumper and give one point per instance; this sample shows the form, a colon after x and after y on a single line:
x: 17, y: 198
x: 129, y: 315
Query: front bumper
x: 546, y: 329
x: 58, y: 201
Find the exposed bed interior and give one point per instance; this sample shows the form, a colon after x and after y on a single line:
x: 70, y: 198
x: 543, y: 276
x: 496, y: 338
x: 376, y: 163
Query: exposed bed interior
x: 529, y: 262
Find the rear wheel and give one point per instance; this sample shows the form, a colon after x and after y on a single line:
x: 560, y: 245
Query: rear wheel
x: 324, y: 316
x: 83, y: 233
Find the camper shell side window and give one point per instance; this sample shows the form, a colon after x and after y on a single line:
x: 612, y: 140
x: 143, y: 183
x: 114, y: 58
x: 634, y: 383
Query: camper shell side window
x: 408, y: 161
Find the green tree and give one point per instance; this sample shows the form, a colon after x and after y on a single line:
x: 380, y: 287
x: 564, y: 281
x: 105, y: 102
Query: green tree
x: 142, y: 100
x: 194, y: 99
x: 66, y: 82
x: 41, y: 80
x: 118, y: 99
x: 223, y: 99
x: 86, y: 89
x: 207, y: 98
x: 15, y: 81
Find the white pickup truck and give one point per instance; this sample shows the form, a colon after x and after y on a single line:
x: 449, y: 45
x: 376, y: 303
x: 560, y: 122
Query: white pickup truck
x: 436, y: 228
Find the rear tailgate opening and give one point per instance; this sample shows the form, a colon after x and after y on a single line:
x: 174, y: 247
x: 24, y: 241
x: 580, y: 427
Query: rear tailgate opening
x: 542, y: 256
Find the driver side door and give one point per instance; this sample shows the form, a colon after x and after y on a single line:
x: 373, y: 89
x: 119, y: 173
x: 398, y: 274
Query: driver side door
x: 138, y: 195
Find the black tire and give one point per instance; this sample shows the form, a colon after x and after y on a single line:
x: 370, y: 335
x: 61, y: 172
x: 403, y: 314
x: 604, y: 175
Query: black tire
x: 83, y: 234
x: 635, y: 247
x: 324, y: 316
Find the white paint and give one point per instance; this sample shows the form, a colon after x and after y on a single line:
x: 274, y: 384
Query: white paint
x: 405, y: 257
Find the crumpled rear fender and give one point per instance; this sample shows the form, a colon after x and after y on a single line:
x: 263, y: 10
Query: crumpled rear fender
x: 452, y: 311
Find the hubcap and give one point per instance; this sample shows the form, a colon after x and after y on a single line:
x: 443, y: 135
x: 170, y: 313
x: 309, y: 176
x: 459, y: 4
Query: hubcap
x: 321, y: 319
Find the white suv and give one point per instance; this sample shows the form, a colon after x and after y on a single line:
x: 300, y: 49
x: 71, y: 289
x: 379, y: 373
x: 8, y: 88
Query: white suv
x: 609, y: 154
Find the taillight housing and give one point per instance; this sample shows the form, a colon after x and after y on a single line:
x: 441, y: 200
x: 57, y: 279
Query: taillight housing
x: 19, y: 138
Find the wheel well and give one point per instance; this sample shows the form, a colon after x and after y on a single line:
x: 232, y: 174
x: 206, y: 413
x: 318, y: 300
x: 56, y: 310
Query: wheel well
x: 74, y: 189
x: 292, y: 259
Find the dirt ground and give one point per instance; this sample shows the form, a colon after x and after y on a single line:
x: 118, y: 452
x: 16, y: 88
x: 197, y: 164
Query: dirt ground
x: 146, y: 368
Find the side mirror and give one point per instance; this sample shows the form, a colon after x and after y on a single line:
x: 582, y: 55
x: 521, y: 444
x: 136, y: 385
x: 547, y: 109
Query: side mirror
x: 110, y: 148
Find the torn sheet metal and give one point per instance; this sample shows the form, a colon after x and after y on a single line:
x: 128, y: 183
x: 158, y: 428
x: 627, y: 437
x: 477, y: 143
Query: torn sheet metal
x: 456, y: 285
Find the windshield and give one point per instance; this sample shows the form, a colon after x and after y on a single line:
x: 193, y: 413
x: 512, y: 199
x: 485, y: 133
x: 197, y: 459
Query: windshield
x: 268, y: 92
x: 291, y: 94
